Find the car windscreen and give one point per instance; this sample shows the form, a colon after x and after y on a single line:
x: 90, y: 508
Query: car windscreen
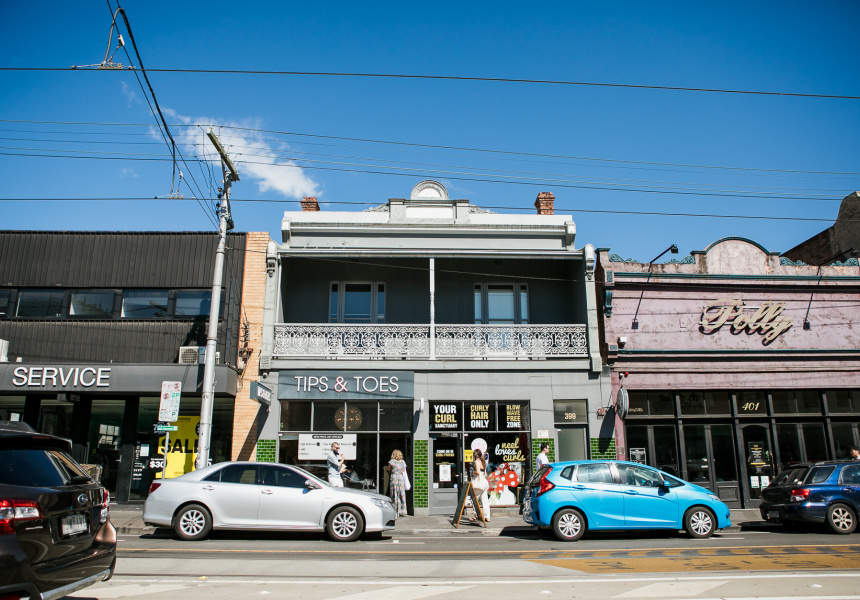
x: 38, y: 468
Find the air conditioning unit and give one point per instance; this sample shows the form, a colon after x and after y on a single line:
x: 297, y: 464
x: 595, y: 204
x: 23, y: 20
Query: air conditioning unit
x: 195, y: 355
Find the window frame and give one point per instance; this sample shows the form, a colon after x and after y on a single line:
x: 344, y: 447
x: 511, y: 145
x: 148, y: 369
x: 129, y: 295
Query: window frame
x: 376, y: 315
x: 519, y: 290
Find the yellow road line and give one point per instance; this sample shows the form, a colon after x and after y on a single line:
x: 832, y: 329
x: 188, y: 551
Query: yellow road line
x: 722, y: 563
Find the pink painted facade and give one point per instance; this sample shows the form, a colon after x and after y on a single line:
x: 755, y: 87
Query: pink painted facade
x: 725, y: 326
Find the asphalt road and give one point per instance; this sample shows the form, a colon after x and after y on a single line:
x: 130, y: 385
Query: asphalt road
x: 750, y: 564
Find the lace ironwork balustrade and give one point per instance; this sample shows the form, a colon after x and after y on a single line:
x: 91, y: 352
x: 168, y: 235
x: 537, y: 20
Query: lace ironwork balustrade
x: 413, y: 341
x: 514, y: 341
x: 396, y: 341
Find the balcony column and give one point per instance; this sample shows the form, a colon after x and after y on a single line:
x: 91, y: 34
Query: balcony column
x: 432, y: 309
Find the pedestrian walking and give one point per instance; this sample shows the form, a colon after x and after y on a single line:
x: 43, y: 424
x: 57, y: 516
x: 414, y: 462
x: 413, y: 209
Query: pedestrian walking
x: 399, y: 482
x: 478, y: 478
x: 334, y: 461
x: 542, y: 458
x: 855, y: 454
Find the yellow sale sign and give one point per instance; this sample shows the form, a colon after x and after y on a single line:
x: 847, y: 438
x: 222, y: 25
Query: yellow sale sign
x: 182, y: 450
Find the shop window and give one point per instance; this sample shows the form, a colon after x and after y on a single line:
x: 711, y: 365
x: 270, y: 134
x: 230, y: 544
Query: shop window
x: 325, y: 416
x: 295, y: 415
x: 569, y: 411
x: 796, y: 402
x: 843, y: 439
x: 144, y: 304
x: 357, y: 303
x: 357, y: 416
x: 12, y: 408
x: 55, y: 417
x: 92, y: 303
x: 705, y: 403
x: 5, y: 297
x: 514, y: 416
x: 501, y: 304
x: 844, y: 402
x: 40, y: 304
x: 395, y: 416
x: 193, y: 303
x: 480, y: 416
x: 650, y: 403
x: 753, y: 402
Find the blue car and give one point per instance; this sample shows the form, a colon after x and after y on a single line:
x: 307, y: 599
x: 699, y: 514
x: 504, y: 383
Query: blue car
x: 825, y: 492
x: 574, y: 497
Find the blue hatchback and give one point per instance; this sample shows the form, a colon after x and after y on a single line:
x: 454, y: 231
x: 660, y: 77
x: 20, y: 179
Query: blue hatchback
x: 574, y: 497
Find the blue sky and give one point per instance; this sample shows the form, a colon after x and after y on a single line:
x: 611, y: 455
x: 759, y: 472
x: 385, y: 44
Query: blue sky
x: 799, y: 153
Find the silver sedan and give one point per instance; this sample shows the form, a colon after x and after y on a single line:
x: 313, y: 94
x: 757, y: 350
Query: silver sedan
x: 263, y: 496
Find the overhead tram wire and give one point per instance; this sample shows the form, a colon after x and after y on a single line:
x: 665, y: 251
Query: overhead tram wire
x: 507, y: 208
x: 444, y: 147
x: 561, y: 82
x: 166, y: 130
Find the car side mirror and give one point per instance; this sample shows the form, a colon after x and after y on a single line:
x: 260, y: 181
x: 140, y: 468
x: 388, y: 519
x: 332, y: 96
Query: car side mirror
x: 311, y: 485
x: 665, y: 484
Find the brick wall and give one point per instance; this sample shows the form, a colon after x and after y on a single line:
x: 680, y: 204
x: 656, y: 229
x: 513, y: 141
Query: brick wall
x: 536, y: 442
x: 420, y: 474
x: 253, y: 297
x: 267, y: 451
x: 603, y: 448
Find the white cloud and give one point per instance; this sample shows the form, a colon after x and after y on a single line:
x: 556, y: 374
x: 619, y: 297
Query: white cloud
x: 128, y: 172
x: 130, y: 94
x: 251, y: 154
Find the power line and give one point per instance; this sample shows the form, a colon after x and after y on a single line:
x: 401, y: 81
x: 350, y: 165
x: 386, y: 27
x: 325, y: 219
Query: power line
x: 443, y: 147
x: 464, y: 78
x: 508, y: 208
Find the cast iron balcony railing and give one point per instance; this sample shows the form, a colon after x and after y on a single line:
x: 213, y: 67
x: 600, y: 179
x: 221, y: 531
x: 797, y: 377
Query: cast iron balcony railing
x: 413, y: 341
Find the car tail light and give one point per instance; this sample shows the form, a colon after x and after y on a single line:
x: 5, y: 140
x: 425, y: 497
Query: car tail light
x: 154, y: 486
x: 545, y: 484
x: 105, y: 505
x: 13, y: 511
x: 799, y: 495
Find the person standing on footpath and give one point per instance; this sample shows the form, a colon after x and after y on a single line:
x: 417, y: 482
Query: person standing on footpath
x: 335, y: 466
x: 542, y: 458
x: 855, y: 454
x: 478, y: 477
x: 399, y: 482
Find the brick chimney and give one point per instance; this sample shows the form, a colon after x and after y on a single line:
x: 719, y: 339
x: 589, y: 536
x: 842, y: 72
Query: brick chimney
x: 545, y: 203
x: 310, y: 204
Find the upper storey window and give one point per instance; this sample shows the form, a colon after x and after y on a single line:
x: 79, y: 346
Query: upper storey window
x: 357, y: 302
x: 501, y: 304
x: 144, y: 304
x: 40, y: 304
x: 92, y: 303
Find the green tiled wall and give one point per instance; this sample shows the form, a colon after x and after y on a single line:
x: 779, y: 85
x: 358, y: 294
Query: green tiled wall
x: 267, y: 450
x: 603, y: 448
x: 536, y: 442
x: 420, y: 475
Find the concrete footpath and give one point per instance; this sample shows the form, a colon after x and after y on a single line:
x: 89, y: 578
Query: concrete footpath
x: 128, y: 519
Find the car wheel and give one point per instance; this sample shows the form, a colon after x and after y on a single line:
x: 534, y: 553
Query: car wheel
x: 841, y: 519
x: 568, y: 525
x: 344, y: 524
x: 699, y: 522
x: 193, y: 523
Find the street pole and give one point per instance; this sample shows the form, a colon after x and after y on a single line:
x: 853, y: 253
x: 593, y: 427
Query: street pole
x: 225, y: 224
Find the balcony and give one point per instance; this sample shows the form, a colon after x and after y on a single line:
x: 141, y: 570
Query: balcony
x: 461, y: 342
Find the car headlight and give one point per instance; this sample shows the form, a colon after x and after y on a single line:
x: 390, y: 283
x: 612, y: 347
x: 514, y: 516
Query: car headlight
x: 714, y: 497
x: 382, y: 503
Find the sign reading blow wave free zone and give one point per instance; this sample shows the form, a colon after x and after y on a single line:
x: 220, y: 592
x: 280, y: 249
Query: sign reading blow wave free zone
x: 346, y: 385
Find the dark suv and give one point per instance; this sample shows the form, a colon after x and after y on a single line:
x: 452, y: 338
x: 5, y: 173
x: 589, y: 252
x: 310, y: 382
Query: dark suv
x: 55, y: 533
x: 824, y: 492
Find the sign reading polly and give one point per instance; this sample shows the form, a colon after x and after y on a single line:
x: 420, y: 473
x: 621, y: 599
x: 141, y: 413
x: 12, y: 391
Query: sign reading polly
x: 346, y: 385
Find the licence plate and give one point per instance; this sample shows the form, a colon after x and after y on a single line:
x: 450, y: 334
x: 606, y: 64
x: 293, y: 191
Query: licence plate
x: 73, y: 524
x: 773, y: 514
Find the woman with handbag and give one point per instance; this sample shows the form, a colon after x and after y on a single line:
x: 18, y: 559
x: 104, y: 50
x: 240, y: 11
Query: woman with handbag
x: 399, y: 482
x: 479, y: 481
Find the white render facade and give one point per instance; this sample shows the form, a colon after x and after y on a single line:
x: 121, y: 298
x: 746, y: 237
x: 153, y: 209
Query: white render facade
x: 431, y: 326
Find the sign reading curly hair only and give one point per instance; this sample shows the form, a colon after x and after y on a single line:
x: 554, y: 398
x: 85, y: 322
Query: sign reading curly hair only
x: 767, y: 319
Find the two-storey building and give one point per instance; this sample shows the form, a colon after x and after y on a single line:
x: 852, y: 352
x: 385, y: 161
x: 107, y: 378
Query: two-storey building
x: 434, y: 327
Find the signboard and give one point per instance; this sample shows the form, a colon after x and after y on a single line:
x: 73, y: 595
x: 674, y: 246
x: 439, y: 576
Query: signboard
x: 637, y: 455
x: 622, y: 403
x: 767, y: 318
x: 566, y: 412
x: 317, y: 446
x: 166, y: 428
x: 445, y: 416
x: 480, y: 417
x: 261, y: 393
x: 168, y: 410
x: 513, y: 417
x: 181, y: 451
x: 346, y: 385
x: 756, y: 457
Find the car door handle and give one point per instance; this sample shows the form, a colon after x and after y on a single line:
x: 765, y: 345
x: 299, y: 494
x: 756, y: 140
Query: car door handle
x: 631, y: 492
x: 267, y: 492
x: 208, y: 488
